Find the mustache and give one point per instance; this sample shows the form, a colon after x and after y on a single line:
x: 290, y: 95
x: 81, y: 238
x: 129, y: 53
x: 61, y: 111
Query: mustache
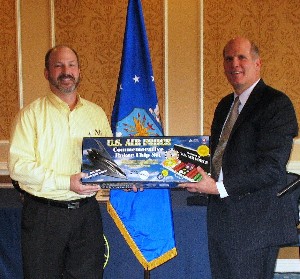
x: 63, y: 76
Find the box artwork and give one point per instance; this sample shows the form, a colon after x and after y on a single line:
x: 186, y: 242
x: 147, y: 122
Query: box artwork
x: 149, y: 162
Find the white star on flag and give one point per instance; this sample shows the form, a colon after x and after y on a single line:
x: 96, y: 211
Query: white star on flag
x: 136, y: 79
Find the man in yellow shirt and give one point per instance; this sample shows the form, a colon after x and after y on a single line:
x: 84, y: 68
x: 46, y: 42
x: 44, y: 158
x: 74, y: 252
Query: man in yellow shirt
x: 61, y: 222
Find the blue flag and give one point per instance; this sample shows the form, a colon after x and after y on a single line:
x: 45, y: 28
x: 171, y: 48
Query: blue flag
x: 144, y: 218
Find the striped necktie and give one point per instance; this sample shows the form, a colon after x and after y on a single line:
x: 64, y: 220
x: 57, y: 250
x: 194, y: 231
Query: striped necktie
x: 217, y: 158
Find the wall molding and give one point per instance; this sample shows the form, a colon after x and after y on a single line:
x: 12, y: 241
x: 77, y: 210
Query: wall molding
x: 201, y: 62
x: 3, y: 168
x: 293, y: 166
x: 19, y: 49
x: 166, y: 69
x: 287, y: 265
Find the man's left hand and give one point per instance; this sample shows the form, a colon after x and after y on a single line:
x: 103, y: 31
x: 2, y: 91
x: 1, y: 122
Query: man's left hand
x: 206, y: 185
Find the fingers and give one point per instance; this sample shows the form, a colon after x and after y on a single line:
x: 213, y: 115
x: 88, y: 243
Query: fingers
x: 201, y: 171
x: 82, y: 189
x: 186, y: 185
x: 134, y: 189
x: 191, y: 186
x: 89, y: 189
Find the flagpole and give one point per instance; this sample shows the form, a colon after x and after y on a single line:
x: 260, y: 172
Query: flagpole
x: 146, y: 274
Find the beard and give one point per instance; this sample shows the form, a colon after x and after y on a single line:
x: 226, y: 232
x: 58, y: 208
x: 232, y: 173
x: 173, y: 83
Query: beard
x: 58, y: 83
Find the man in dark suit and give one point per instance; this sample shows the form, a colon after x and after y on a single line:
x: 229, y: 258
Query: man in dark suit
x: 247, y: 223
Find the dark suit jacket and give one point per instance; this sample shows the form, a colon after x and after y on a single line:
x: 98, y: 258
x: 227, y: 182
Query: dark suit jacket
x: 254, y: 169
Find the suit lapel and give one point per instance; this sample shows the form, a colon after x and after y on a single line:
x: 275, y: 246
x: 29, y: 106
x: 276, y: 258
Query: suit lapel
x: 250, y: 105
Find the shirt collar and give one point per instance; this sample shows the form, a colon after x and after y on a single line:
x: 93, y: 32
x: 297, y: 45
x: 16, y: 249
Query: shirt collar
x: 245, y: 95
x: 56, y: 101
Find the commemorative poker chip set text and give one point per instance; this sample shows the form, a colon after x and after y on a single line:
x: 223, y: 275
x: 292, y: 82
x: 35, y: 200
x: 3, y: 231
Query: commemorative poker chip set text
x: 148, y: 162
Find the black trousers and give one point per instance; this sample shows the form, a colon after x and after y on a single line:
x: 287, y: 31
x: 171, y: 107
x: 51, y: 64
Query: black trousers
x: 62, y: 243
x: 246, y: 264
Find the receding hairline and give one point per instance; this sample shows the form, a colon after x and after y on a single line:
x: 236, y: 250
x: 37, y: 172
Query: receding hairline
x: 51, y: 50
x: 253, y: 47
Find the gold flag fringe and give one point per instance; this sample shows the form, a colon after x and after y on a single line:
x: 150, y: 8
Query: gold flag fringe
x: 147, y: 265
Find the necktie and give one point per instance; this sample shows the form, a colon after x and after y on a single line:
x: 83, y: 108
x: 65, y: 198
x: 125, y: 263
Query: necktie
x: 217, y: 158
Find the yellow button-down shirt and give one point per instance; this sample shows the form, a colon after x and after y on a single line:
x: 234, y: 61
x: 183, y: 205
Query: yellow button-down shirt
x: 46, y: 144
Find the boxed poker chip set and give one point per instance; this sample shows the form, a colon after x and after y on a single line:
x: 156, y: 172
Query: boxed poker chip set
x: 148, y: 162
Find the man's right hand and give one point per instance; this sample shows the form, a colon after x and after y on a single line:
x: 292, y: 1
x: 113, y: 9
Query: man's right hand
x: 82, y: 189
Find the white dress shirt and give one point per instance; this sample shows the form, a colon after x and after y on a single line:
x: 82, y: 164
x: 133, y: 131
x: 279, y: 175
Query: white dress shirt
x: 243, y: 99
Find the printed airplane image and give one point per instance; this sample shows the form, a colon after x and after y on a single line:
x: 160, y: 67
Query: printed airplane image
x: 101, y: 162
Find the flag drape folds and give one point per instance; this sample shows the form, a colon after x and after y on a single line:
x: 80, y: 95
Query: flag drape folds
x: 144, y: 218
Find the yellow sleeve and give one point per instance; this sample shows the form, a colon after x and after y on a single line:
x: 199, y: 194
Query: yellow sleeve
x: 23, y: 164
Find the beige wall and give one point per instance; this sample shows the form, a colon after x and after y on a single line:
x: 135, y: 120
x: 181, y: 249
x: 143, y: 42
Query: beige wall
x: 186, y: 105
x: 175, y: 37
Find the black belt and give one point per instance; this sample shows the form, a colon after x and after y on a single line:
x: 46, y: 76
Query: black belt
x: 73, y: 204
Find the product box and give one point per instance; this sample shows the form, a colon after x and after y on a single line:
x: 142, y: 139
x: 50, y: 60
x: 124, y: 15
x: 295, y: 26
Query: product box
x: 148, y: 162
